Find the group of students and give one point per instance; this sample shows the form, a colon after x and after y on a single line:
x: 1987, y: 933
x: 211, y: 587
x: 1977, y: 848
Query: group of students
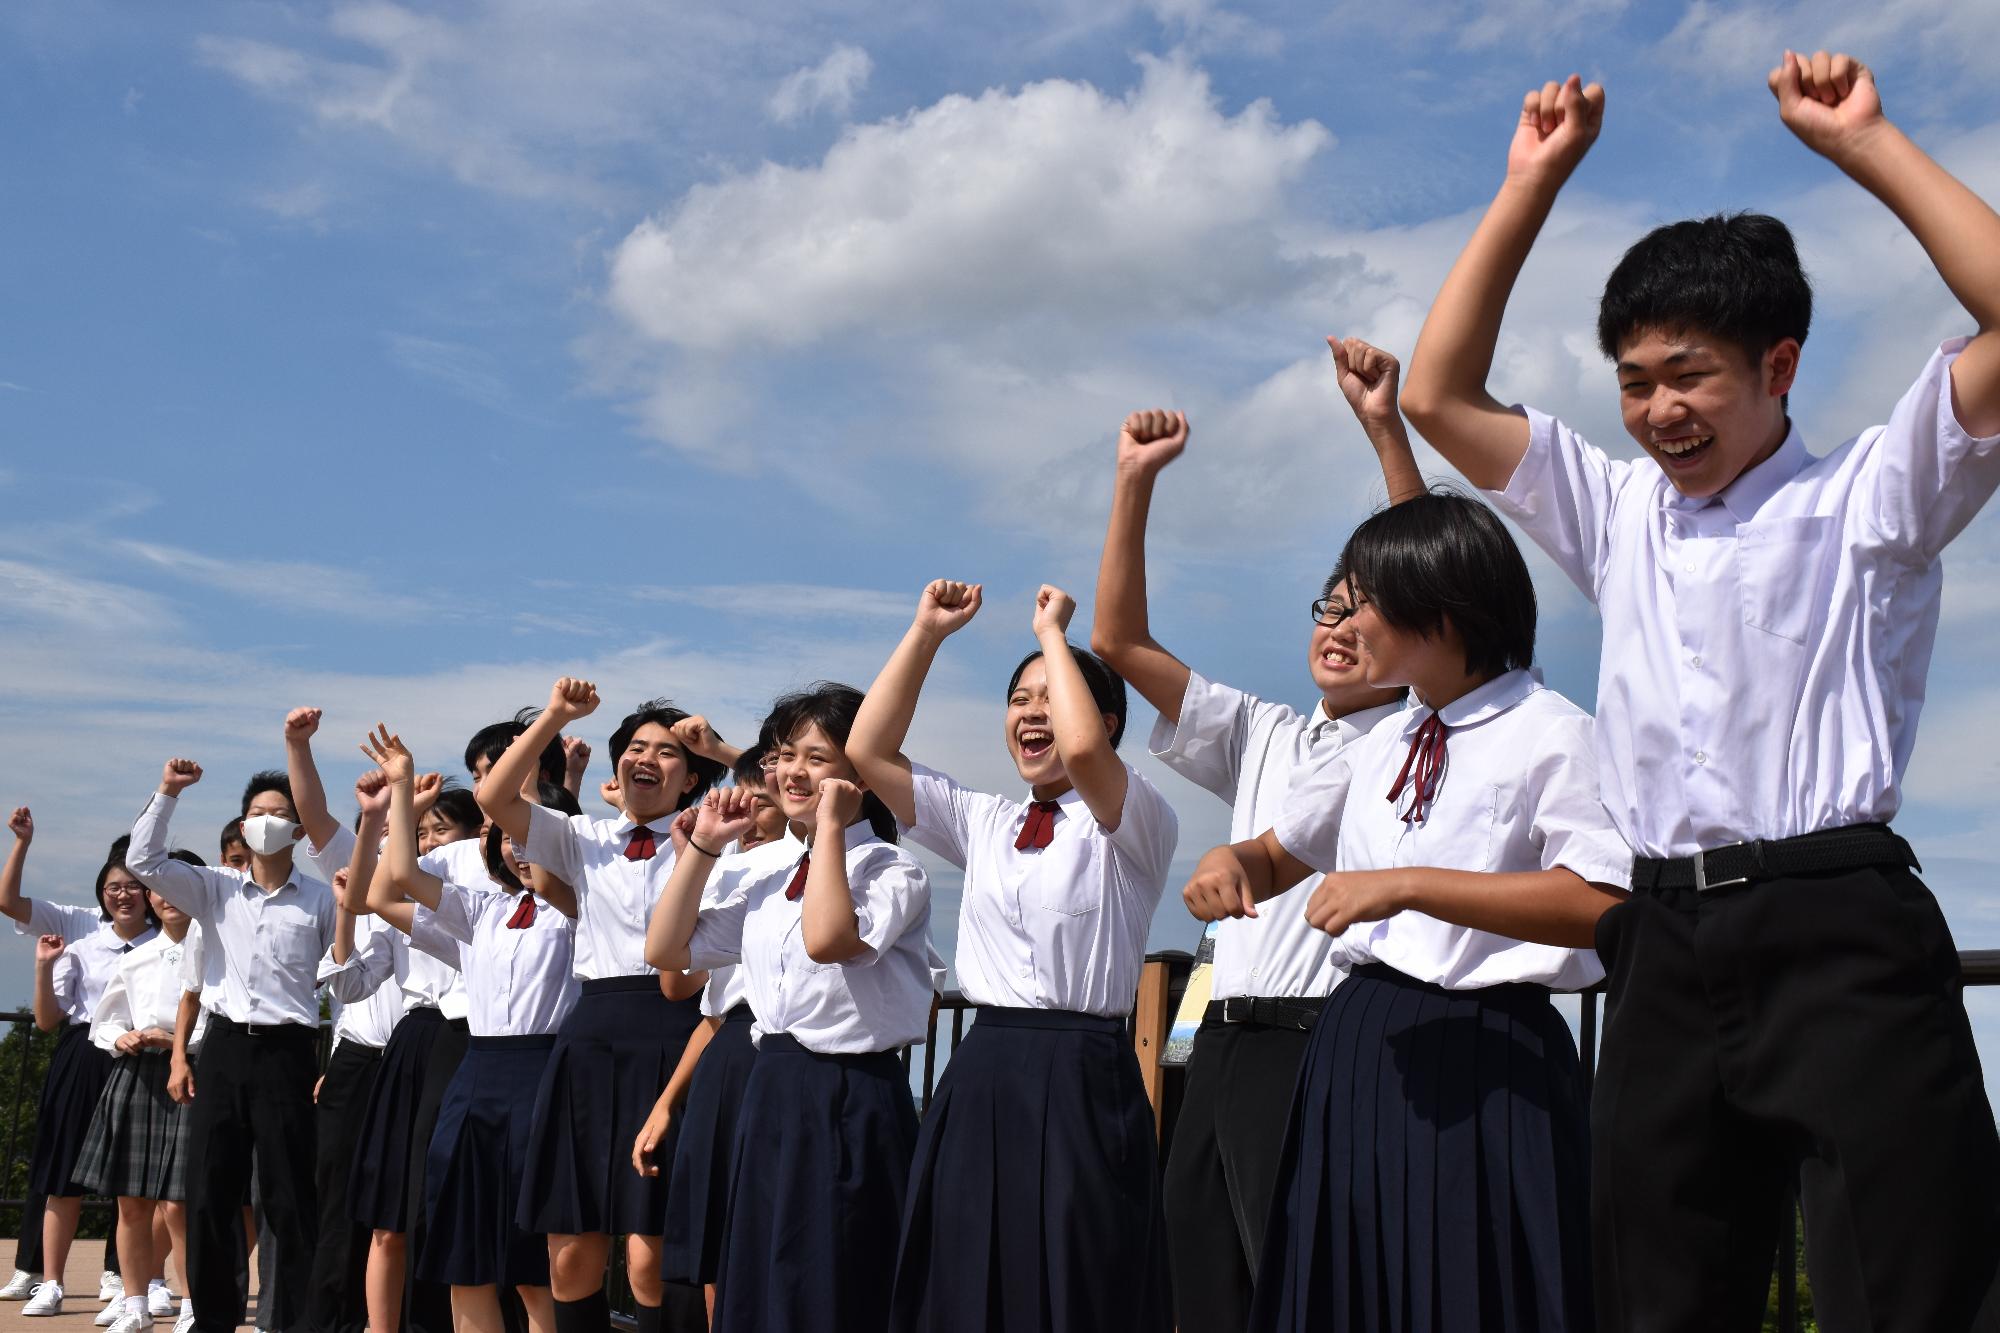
x: 680, y: 1025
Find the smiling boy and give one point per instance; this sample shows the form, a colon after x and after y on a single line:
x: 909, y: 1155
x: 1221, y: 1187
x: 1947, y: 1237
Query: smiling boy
x: 1784, y: 1000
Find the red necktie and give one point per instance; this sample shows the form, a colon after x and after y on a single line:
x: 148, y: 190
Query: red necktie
x: 1423, y: 770
x: 642, y: 846
x: 524, y: 915
x: 796, y: 889
x: 1039, y: 828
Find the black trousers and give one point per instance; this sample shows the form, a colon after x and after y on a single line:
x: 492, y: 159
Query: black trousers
x: 1222, y: 1169
x: 336, y: 1301
x: 253, y: 1096
x: 1806, y: 1030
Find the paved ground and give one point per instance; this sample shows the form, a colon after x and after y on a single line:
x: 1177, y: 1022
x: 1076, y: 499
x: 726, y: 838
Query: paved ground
x: 80, y: 1303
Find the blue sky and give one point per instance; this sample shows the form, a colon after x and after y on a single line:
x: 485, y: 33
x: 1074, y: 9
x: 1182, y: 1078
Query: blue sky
x: 398, y: 360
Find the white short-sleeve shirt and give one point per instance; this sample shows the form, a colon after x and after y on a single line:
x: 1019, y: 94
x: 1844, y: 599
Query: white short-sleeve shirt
x: 1249, y: 752
x: 879, y: 1000
x: 1519, y: 793
x: 1765, y: 650
x: 91, y: 952
x: 727, y: 986
x: 614, y: 896
x: 144, y: 991
x: 366, y: 1008
x: 519, y: 981
x: 1060, y: 928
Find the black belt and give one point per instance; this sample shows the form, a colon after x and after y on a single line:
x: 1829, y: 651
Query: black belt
x: 224, y: 1024
x: 1741, y: 863
x: 1270, y: 1011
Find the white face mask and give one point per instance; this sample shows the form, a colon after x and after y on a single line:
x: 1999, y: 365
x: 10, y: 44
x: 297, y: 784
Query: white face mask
x: 268, y: 835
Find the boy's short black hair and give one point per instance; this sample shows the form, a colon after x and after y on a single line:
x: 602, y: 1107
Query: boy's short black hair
x: 270, y: 779
x: 1735, y: 276
x: 661, y: 712
x: 831, y: 707
x: 748, y: 769
x: 457, y: 805
x: 1443, y: 558
x: 491, y: 741
x: 1107, y: 687
x: 232, y: 835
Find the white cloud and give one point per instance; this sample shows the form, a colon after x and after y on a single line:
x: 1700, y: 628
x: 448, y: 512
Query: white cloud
x: 101, y: 610
x: 1476, y: 25
x: 1056, y: 201
x: 297, y: 586
x: 829, y: 86
x: 467, y: 371
x: 794, y: 601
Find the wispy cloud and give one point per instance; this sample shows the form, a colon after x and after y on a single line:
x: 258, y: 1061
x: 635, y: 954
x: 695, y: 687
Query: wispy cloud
x: 765, y: 601
x: 297, y: 586
x: 829, y: 86
x: 467, y: 371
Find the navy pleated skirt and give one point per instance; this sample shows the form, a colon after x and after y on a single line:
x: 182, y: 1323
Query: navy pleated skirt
x: 816, y: 1190
x: 1035, y: 1196
x: 614, y: 1054
x: 705, y: 1130
x: 477, y: 1155
x: 1436, y: 1167
x: 378, y: 1183
x: 78, y: 1071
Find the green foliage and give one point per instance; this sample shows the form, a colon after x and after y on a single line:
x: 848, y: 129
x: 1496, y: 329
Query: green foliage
x: 1797, y: 1277
x: 24, y: 1067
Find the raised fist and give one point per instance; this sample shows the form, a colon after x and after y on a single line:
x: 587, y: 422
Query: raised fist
x: 947, y: 606
x: 22, y: 825
x: 839, y: 802
x: 725, y: 815
x: 1053, y: 608
x: 48, y: 948
x: 300, y: 724
x: 179, y: 775
x: 1559, y: 122
x: 576, y: 755
x: 1827, y: 100
x: 696, y: 736
x: 1151, y: 440
x: 570, y: 699
x: 1367, y: 377
x: 371, y: 791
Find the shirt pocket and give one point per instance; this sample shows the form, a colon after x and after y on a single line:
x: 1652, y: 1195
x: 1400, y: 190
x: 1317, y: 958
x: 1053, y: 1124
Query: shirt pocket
x: 291, y: 944
x: 1073, y: 885
x: 1779, y: 567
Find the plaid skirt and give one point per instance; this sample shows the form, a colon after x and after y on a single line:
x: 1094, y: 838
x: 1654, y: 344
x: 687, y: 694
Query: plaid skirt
x: 137, y: 1143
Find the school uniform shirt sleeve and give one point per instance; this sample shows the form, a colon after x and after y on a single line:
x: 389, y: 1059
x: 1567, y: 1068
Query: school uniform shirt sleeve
x: 725, y: 904
x: 193, y: 953
x: 190, y: 888
x: 1148, y: 830
x: 322, y: 862
x: 891, y: 894
x: 1206, y: 745
x: 114, y: 1010
x: 1924, y: 477
x: 552, y: 845
x: 451, y: 920
x: 1562, y: 494
x: 369, y: 964
x: 946, y: 813
x: 1309, y: 824
x: 66, y: 981
x: 1570, y: 825
x: 71, y: 922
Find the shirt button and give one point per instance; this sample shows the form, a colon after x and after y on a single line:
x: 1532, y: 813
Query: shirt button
x: 1701, y: 756
x: 1256, y: 971
x: 1696, y: 661
x: 1688, y: 568
x: 1027, y: 971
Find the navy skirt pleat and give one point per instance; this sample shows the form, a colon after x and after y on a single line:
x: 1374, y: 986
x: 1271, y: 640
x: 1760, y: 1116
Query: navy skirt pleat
x: 816, y: 1190
x: 378, y: 1182
x: 698, y: 1186
x: 1435, y: 1168
x: 614, y: 1054
x: 78, y: 1071
x: 1035, y: 1197
x: 477, y: 1153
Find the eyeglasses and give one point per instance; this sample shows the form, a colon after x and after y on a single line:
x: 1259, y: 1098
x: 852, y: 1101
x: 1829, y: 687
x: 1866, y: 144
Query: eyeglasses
x: 124, y: 890
x: 1331, y: 612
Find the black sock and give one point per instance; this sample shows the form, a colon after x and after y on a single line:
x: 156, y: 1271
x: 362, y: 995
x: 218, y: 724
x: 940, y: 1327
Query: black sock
x: 592, y: 1314
x: 647, y: 1317
x: 683, y: 1309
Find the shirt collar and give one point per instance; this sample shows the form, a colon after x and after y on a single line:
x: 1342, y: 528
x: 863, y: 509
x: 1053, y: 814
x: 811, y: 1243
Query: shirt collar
x: 1349, y: 726
x: 1493, y: 698
x: 1750, y: 491
x: 1070, y: 797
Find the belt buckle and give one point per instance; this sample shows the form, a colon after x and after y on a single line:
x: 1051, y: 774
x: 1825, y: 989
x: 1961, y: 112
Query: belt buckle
x: 1239, y: 1009
x: 1702, y: 883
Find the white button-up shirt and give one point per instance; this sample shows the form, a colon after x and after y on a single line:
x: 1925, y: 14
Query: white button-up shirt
x: 261, y: 956
x: 1519, y: 793
x: 1765, y: 650
x: 144, y: 991
x: 1249, y: 753
x: 91, y: 950
x: 879, y: 1000
x: 1059, y: 928
x: 727, y: 986
x: 366, y: 1008
x: 518, y: 982
x: 614, y: 896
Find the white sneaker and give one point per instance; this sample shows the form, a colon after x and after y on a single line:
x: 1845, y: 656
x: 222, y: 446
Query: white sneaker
x: 159, y: 1301
x: 20, y: 1286
x: 110, y: 1286
x: 46, y: 1300
x: 132, y: 1321
x: 110, y: 1314
x: 185, y: 1324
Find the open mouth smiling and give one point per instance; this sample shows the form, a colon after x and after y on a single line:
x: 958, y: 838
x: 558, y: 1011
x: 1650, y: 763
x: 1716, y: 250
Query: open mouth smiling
x: 1036, y: 741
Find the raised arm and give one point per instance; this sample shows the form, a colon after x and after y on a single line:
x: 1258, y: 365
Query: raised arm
x: 1446, y: 398
x: 697, y: 737
x: 499, y: 794
x: 1082, y: 739
x: 829, y: 927
x: 181, y: 884
x: 22, y: 824
x: 1122, y: 632
x: 1230, y: 881
x: 724, y: 815
x: 48, y: 1013
x: 1831, y: 103
x: 1554, y: 906
x: 875, y: 743
x: 399, y: 873
x: 308, y: 793
x: 1367, y: 376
